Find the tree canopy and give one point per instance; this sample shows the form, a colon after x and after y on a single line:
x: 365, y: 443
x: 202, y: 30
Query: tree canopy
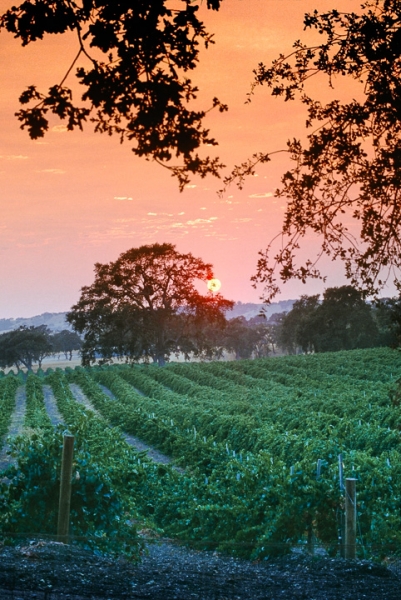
x: 351, y: 162
x: 341, y: 321
x: 146, y: 305
x: 66, y: 342
x: 25, y: 346
x: 247, y: 339
x: 296, y: 329
x: 137, y: 54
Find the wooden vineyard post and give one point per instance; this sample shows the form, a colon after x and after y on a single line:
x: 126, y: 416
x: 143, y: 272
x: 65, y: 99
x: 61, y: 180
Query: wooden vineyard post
x: 63, y: 524
x: 341, y: 515
x: 350, y: 518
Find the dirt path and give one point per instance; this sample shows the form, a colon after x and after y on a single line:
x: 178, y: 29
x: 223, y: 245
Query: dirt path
x: 106, y: 391
x: 16, y: 426
x: 83, y: 399
x: 132, y: 440
x: 51, y: 406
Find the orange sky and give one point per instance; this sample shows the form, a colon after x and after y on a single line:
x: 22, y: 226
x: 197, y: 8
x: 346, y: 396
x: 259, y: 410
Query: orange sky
x: 73, y: 199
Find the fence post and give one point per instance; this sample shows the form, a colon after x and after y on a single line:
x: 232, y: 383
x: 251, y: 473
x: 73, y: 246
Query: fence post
x: 350, y: 518
x: 341, y: 516
x: 65, y: 489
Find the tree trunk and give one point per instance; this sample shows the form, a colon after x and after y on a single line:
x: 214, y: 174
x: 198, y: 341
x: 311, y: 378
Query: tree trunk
x: 28, y: 364
x: 161, y: 360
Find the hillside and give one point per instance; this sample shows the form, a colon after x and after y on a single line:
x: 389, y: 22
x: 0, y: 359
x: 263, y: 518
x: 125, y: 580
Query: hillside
x: 250, y: 310
x: 56, y: 321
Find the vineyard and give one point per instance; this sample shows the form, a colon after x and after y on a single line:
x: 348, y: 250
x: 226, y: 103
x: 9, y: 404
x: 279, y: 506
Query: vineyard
x: 254, y: 447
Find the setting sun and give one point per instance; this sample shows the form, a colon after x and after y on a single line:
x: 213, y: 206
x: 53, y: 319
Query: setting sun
x: 214, y: 285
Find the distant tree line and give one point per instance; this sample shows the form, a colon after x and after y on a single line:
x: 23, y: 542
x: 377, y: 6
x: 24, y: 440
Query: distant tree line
x: 342, y: 320
x: 26, y: 346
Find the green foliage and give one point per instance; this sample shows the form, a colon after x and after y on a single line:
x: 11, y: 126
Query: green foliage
x: 341, y: 321
x: 100, y: 514
x: 8, y: 388
x: 252, y: 485
x: 249, y: 434
x: 66, y: 341
x: 106, y: 471
x: 245, y: 339
x: 387, y: 314
x: 35, y: 414
x: 25, y: 346
x: 131, y: 412
x: 296, y: 328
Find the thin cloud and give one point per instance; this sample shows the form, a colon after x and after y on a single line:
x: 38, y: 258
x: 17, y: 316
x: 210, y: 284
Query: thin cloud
x: 265, y: 195
x: 122, y: 198
x: 60, y: 128
x: 200, y: 221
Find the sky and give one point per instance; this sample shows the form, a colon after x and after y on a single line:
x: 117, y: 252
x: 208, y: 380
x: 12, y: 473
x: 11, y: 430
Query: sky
x: 70, y: 200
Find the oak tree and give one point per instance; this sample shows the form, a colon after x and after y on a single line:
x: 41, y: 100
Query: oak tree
x: 345, y: 181
x: 66, y: 342
x: 146, y: 305
x: 25, y: 346
x: 342, y: 320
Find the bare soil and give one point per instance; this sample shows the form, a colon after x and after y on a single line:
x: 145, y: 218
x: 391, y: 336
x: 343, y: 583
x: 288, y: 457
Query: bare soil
x: 53, y: 571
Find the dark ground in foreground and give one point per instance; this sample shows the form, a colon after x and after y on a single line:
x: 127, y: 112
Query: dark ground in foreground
x: 51, y: 571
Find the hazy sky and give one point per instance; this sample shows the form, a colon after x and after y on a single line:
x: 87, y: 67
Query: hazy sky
x: 73, y: 199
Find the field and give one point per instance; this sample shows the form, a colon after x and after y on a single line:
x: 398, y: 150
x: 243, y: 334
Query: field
x: 254, y: 446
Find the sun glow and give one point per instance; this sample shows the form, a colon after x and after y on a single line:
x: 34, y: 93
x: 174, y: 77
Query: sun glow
x: 213, y: 285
